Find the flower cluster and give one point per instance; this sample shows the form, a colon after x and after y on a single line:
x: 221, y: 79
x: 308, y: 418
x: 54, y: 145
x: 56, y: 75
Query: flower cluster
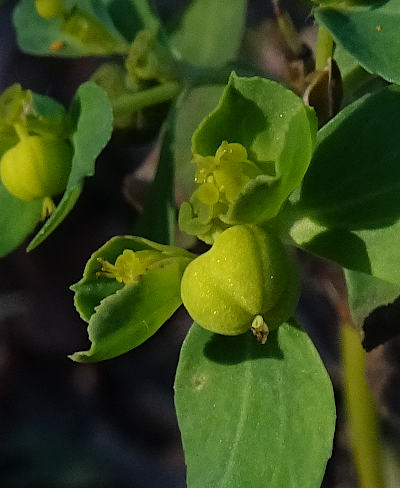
x: 221, y: 178
x: 129, y: 266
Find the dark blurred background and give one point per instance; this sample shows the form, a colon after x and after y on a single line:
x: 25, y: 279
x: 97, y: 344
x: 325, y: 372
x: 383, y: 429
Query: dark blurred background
x: 112, y: 424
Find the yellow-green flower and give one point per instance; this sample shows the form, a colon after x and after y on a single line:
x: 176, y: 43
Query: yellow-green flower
x: 221, y: 178
x: 129, y: 266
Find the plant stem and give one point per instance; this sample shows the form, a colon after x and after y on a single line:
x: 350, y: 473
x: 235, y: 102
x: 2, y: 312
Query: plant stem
x: 324, y: 48
x: 152, y: 96
x: 361, y: 411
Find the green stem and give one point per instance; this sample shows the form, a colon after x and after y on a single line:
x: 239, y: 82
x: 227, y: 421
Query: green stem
x: 361, y: 411
x: 152, y: 96
x: 324, y: 48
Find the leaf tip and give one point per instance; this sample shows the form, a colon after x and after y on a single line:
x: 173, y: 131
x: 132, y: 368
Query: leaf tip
x: 81, y: 357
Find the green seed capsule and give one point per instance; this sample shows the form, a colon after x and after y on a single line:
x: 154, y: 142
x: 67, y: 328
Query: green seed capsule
x: 49, y: 8
x: 245, y: 281
x: 36, y: 167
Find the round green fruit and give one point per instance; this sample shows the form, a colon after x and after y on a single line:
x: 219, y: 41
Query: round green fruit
x: 244, y: 281
x: 49, y: 8
x: 36, y: 167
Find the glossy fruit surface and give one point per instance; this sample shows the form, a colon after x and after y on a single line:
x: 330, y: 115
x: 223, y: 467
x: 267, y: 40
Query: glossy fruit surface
x: 36, y: 167
x: 243, y: 276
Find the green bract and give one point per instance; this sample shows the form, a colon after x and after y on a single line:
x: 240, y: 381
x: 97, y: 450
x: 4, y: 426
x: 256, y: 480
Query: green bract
x: 130, y: 287
x: 251, y: 153
x: 36, y: 167
x: 244, y: 281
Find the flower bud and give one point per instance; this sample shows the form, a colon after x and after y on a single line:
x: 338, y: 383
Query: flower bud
x: 49, y: 8
x: 245, y: 281
x: 36, y: 167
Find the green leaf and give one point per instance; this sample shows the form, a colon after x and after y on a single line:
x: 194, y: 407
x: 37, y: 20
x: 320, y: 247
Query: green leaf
x: 369, y: 33
x: 92, y: 114
x: 210, y: 32
x: 373, y: 251
x: 374, y: 306
x: 130, y: 16
x: 121, y: 317
x: 269, y: 121
x: 129, y: 317
x: 36, y: 35
x: 254, y: 415
x: 354, y: 177
x: 356, y: 81
x: 17, y: 220
x: 349, y: 196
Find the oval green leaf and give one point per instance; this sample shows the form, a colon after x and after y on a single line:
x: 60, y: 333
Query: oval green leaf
x: 369, y: 33
x: 209, y: 32
x: 353, y: 181
x: 349, y: 197
x: 372, y: 251
x: 251, y: 414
